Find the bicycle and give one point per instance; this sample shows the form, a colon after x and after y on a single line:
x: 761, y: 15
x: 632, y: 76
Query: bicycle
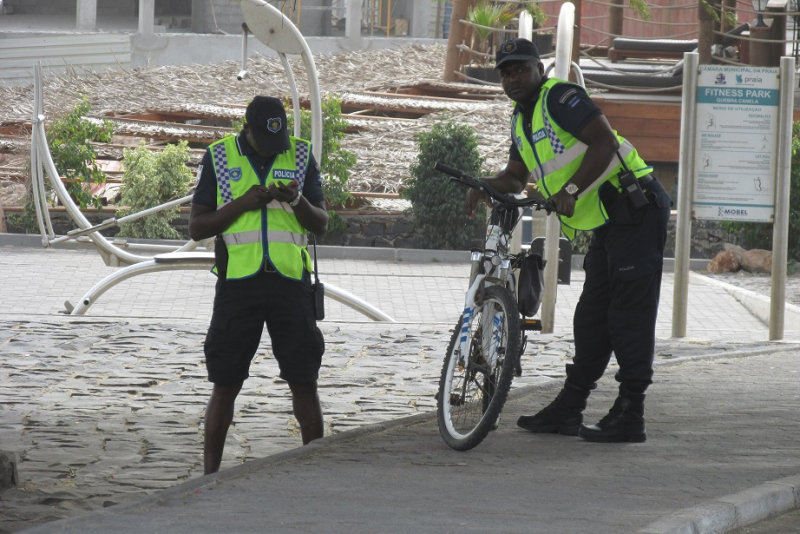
x: 490, y: 337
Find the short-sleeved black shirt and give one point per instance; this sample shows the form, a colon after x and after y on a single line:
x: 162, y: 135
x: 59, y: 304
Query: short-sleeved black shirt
x: 205, y: 193
x: 569, y: 105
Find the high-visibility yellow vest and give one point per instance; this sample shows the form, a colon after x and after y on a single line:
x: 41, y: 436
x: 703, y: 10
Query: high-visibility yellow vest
x: 552, y: 155
x: 275, y: 224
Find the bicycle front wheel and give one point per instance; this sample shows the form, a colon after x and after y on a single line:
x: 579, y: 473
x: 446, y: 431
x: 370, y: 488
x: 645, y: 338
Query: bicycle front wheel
x: 474, y: 386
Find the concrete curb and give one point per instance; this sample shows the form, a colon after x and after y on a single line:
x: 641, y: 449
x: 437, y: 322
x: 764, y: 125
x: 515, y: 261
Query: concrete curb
x: 758, y: 305
x: 329, y: 252
x: 733, y: 511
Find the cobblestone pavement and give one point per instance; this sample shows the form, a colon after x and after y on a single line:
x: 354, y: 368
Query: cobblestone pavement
x: 108, y: 407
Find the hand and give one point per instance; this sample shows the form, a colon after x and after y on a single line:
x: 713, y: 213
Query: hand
x: 474, y: 196
x: 284, y: 192
x: 256, y: 198
x: 564, y: 203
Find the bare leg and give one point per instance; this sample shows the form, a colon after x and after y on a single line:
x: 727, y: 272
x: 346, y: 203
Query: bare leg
x: 307, y: 410
x: 219, y: 415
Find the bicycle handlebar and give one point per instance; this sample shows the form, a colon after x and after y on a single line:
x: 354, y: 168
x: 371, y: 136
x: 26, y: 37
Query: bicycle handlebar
x: 470, y: 181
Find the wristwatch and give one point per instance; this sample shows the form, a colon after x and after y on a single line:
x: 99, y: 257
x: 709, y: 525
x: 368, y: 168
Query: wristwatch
x: 572, y: 189
x: 296, y: 200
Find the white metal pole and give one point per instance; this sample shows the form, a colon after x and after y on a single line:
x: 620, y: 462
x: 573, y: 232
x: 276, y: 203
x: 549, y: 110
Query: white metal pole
x: 147, y: 16
x: 780, y: 228
x: 686, y: 180
x: 243, y: 73
x: 525, y: 32
x: 562, y: 65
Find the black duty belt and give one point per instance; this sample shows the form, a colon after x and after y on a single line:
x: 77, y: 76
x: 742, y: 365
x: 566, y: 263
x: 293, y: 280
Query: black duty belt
x: 612, y: 194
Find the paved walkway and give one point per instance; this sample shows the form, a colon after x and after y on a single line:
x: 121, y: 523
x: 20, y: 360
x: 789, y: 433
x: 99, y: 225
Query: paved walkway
x: 107, y: 409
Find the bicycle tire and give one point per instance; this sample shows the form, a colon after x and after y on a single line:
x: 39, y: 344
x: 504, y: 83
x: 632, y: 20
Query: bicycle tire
x: 472, y: 396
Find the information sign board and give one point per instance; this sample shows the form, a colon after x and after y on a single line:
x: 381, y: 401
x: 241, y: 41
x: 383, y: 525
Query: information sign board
x: 736, y: 133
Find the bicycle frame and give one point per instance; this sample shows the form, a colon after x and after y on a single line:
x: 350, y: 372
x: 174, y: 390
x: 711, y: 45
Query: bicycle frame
x: 490, y: 266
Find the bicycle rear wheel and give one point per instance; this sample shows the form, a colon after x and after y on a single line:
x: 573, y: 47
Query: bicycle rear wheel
x: 474, y: 386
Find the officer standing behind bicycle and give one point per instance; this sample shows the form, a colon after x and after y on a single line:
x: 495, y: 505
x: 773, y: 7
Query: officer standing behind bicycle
x: 563, y: 143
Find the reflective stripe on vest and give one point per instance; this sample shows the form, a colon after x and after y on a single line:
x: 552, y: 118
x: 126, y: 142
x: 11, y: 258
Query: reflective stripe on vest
x: 273, y: 236
x: 552, y: 155
x: 274, y: 224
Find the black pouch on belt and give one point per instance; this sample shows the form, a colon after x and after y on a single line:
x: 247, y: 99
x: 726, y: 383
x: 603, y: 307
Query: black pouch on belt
x: 318, y: 287
x: 631, y: 187
x: 221, y: 257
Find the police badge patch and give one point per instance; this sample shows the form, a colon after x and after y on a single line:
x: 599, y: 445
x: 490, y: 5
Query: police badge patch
x: 236, y: 174
x: 274, y: 125
x: 509, y: 46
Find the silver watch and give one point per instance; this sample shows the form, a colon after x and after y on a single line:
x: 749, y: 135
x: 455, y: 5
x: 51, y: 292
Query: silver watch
x: 572, y: 189
x: 296, y: 200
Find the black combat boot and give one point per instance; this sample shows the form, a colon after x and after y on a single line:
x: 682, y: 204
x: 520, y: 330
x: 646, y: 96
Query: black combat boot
x: 623, y: 423
x: 562, y: 416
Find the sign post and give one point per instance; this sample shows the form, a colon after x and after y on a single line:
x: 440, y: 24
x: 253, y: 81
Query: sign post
x: 736, y: 138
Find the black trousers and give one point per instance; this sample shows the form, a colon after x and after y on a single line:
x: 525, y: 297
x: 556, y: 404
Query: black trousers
x: 617, y: 309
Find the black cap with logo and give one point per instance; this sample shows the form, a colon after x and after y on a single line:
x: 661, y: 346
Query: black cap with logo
x: 266, y: 117
x: 516, y: 50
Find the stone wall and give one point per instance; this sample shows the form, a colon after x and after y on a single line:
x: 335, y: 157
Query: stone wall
x: 395, y: 231
x: 389, y: 231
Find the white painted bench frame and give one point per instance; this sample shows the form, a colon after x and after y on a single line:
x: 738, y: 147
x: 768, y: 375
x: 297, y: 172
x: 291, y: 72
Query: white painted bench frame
x: 273, y: 29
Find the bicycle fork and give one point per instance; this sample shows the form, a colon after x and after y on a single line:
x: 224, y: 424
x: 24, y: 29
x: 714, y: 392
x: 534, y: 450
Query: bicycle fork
x: 489, y: 328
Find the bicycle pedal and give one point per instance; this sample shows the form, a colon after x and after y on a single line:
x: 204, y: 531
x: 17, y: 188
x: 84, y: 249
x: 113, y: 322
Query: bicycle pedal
x: 531, y: 324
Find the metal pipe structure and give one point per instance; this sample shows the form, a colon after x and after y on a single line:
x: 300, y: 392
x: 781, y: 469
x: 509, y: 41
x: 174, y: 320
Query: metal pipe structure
x: 243, y: 73
x: 686, y: 179
x: 296, y: 113
x: 562, y: 66
x: 267, y: 21
x: 525, y: 32
x: 47, y: 164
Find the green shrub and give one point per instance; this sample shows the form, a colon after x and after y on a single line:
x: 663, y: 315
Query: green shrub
x: 150, y: 179
x: 759, y: 235
x: 336, y: 161
x: 73, y: 155
x: 437, y: 204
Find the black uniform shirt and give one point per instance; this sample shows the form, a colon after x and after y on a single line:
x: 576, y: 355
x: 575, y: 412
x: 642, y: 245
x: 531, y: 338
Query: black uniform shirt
x: 205, y: 193
x: 570, y: 107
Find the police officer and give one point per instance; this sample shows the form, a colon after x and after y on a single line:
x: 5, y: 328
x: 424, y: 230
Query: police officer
x: 260, y: 193
x: 562, y: 142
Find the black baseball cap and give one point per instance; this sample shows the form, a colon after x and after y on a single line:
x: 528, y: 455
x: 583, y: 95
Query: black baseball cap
x: 266, y: 117
x: 516, y: 50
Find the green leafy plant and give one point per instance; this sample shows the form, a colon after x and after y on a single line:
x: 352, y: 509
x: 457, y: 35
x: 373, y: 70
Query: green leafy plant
x: 730, y: 16
x: 437, y: 204
x: 640, y: 8
x: 336, y: 160
x: 536, y: 12
x: 74, y: 156
x: 150, y: 179
x: 759, y: 235
x: 488, y: 15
